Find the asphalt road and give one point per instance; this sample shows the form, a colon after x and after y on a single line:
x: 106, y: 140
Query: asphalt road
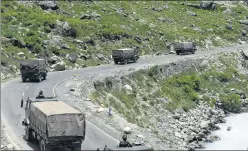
x: 13, y: 91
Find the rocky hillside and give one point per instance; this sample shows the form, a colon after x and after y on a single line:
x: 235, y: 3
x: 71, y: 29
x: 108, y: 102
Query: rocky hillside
x: 79, y: 34
x: 180, y: 103
x: 169, y: 106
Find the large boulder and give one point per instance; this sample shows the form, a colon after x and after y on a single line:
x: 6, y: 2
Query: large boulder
x: 60, y: 66
x: 127, y: 130
x: 243, y: 22
x: 65, y: 29
x: 45, y: 5
x: 72, y: 57
x: 208, y: 5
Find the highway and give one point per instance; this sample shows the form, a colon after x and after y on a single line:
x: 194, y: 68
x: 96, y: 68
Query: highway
x: 13, y: 91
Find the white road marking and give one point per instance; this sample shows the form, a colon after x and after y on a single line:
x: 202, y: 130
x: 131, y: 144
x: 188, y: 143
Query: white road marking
x: 86, y: 120
x: 23, y: 94
x: 12, y: 141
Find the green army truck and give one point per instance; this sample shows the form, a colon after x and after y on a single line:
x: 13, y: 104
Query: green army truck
x: 53, y: 124
x: 33, y: 69
x: 125, y: 55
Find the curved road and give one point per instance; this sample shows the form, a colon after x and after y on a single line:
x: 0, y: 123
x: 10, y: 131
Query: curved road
x: 13, y: 91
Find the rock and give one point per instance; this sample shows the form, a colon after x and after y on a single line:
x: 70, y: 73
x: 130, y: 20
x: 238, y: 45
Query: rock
x: 138, y: 39
x: 72, y: 58
x: 208, y: 5
x: 229, y: 27
x: 204, y: 63
x: 65, y: 29
x: 227, y: 11
x: 244, y: 33
x: 65, y: 46
x: 229, y: 128
x: 93, y: 15
x: 172, y: 52
x: 100, y: 109
x: 243, y: 22
x: 157, y: 9
x: 72, y: 89
x: 53, y: 59
x: 244, y: 53
x: 17, y: 43
x: 45, y: 5
x: 214, y: 138
x: 98, y: 85
x: 2, y: 146
x: 127, y: 130
x: 60, y: 66
x: 21, y: 54
x: 140, y: 136
x: 128, y: 87
x: 100, y: 56
x: 192, y: 13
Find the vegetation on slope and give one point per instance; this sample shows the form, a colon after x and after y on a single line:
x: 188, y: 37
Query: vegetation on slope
x: 107, y: 25
x: 221, y: 85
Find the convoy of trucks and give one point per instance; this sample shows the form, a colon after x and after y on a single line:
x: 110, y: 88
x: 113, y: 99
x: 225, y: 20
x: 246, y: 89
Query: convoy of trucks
x: 33, y: 69
x: 53, y: 124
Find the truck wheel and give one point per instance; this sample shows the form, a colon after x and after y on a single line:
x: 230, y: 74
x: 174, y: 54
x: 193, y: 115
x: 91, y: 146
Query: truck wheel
x: 42, y: 145
x: 177, y: 52
x: 135, y: 59
x: 77, y: 148
x: 40, y: 78
x: 44, y: 77
x: 23, y: 79
x: 116, y: 61
x: 125, y: 61
x: 28, y: 134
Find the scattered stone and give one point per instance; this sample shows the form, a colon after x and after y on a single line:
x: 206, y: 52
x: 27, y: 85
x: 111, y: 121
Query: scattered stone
x: 243, y: 22
x: 60, y: 66
x: 45, y: 5
x: 229, y: 128
x: 172, y: 52
x: 127, y: 130
x: 21, y: 54
x: 100, y: 110
x: 128, y: 87
x: 72, y: 89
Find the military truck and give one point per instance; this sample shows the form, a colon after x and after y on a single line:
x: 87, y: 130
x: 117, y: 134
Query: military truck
x: 53, y: 124
x: 33, y: 69
x: 125, y: 55
x: 185, y: 47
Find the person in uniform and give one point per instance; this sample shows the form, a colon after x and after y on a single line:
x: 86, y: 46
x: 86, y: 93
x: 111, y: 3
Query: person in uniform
x: 125, y: 143
x: 40, y: 96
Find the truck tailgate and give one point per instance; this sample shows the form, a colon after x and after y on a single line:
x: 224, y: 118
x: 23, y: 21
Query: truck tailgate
x: 66, y: 125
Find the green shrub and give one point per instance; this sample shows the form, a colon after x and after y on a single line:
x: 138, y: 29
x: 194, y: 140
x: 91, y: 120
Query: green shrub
x: 231, y: 102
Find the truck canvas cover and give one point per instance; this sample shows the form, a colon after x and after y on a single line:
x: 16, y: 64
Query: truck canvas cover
x: 120, y: 52
x: 186, y: 45
x: 57, y: 118
x: 32, y: 64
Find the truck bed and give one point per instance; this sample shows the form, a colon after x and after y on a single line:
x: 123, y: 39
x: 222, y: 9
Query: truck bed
x: 56, y: 119
x: 54, y: 107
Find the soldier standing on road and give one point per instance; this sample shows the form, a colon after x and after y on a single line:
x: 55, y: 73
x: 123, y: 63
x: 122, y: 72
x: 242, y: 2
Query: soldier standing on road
x: 40, y: 96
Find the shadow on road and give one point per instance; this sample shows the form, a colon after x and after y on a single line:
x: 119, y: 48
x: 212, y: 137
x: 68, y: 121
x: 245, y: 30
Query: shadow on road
x: 34, y: 144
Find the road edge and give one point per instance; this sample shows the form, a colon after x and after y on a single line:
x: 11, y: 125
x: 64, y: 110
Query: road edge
x: 54, y: 93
